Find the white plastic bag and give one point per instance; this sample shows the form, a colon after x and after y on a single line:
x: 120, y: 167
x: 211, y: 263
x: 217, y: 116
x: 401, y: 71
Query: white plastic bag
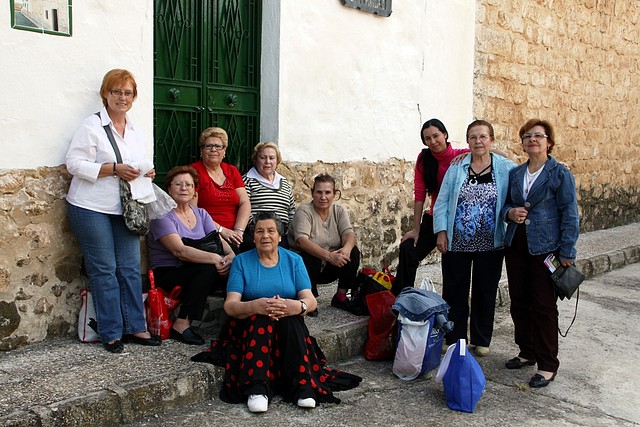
x: 427, y: 285
x: 412, y: 344
x: 162, y: 205
x: 87, y: 321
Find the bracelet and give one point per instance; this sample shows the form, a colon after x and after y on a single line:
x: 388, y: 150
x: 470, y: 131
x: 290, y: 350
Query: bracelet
x: 114, y: 169
x: 239, y: 229
x: 220, y: 230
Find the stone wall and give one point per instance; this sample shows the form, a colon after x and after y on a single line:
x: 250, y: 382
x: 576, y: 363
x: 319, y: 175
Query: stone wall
x: 39, y: 266
x: 575, y: 63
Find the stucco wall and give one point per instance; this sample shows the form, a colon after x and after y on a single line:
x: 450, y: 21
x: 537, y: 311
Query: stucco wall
x: 50, y: 83
x: 577, y: 64
x: 355, y: 86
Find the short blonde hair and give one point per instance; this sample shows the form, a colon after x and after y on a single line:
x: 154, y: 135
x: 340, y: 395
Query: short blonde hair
x: 261, y: 146
x: 216, y: 133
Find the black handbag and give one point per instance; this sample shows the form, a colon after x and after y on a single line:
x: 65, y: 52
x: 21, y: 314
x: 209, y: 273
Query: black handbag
x: 566, y: 280
x: 209, y: 243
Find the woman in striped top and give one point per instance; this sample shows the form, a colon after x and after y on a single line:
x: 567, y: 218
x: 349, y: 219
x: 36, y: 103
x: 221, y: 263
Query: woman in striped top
x: 268, y: 190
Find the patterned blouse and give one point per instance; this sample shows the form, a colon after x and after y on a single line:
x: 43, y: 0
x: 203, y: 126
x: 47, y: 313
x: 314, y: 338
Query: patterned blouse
x: 475, y: 219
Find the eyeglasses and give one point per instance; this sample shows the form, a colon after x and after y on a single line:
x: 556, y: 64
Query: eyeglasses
x: 210, y: 147
x: 120, y: 92
x: 183, y: 184
x: 537, y: 136
x: 481, y: 138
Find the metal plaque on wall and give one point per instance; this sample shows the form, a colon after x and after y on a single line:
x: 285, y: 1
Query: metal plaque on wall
x: 377, y: 7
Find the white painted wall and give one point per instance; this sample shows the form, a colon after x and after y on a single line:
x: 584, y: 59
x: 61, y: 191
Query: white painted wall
x: 337, y: 84
x: 50, y: 83
x: 353, y: 85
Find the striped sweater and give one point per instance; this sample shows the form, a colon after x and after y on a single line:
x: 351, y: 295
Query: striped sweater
x: 265, y: 199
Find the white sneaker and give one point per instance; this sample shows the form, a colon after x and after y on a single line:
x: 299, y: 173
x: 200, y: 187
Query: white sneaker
x: 258, y: 403
x: 309, y: 402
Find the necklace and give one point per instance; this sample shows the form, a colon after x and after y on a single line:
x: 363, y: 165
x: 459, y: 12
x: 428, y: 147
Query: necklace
x: 529, y: 179
x: 473, y: 176
x: 184, y: 217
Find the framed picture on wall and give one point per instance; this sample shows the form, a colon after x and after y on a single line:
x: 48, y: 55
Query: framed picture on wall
x: 42, y: 16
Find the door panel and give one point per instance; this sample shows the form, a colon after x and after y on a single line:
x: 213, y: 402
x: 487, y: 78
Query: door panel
x: 206, y: 64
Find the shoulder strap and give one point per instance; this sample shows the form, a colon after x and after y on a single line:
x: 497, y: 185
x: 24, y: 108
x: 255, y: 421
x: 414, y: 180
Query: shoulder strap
x: 107, y: 130
x: 575, y: 313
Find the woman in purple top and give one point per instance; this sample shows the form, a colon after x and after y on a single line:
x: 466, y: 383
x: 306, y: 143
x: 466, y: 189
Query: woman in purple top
x: 176, y: 264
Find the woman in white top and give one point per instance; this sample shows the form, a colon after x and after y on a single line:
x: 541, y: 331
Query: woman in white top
x: 111, y: 252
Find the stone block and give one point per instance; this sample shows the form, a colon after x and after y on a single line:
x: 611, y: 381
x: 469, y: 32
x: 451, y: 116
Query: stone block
x: 601, y: 264
x: 617, y: 259
x: 632, y: 255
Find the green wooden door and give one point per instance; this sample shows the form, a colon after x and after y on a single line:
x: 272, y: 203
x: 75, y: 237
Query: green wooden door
x: 206, y: 73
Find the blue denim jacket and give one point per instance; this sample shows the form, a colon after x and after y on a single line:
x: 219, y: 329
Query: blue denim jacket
x: 552, y: 220
x: 447, y: 202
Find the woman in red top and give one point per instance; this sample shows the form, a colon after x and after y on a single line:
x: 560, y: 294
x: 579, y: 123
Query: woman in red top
x: 431, y: 166
x: 221, y: 191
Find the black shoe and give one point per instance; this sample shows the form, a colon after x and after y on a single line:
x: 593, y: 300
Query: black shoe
x: 114, y: 347
x: 343, y: 305
x: 516, y: 363
x: 187, y: 337
x: 313, y: 313
x: 152, y: 341
x: 538, y: 381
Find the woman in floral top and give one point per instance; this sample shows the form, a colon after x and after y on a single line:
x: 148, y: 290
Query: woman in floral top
x: 470, y: 235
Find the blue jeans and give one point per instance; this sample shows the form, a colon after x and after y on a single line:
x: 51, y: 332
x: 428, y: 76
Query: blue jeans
x: 112, y: 261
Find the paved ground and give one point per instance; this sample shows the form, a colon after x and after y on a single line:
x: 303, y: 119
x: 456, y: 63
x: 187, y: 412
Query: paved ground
x: 66, y: 382
x: 596, y: 383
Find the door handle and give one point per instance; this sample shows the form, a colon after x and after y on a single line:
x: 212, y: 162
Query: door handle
x: 232, y: 100
x: 174, y: 94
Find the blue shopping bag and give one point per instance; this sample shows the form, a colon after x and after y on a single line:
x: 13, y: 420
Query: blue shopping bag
x: 462, y: 377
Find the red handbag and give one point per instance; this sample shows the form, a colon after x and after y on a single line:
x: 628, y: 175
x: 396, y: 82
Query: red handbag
x: 160, y: 306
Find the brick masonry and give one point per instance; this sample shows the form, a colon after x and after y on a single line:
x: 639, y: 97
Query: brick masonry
x: 575, y: 63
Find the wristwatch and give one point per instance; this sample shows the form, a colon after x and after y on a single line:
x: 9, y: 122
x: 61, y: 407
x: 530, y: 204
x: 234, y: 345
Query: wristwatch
x: 303, y: 306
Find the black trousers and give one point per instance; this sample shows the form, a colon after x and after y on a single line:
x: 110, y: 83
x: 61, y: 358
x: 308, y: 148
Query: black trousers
x: 320, y: 272
x: 197, y: 281
x: 411, y: 256
x: 481, y: 271
x: 533, y: 304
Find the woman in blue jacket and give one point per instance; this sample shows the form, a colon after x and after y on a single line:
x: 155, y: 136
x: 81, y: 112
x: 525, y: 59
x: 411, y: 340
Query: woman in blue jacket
x: 542, y: 214
x: 470, y: 235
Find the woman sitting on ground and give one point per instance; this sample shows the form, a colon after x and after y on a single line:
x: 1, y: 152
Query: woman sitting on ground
x: 322, y: 233
x: 176, y: 264
x: 265, y: 344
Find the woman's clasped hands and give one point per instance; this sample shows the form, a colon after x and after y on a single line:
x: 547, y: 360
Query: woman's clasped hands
x: 223, y: 265
x: 339, y: 257
x: 276, y: 307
